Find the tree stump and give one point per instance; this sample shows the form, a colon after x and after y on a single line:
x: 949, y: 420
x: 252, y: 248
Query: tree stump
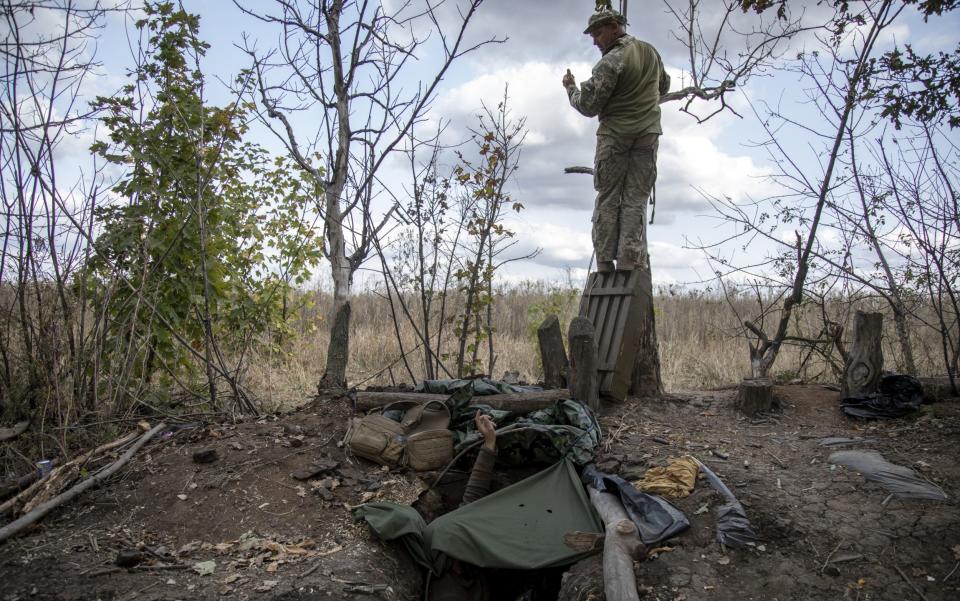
x: 552, y: 354
x: 861, y: 374
x: 755, y: 395
x: 584, y: 382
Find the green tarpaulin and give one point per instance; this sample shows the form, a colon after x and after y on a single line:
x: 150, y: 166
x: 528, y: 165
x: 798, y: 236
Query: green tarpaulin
x: 478, y: 386
x: 518, y: 527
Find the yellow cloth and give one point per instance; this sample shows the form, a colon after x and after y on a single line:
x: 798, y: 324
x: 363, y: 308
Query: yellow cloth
x: 674, y: 481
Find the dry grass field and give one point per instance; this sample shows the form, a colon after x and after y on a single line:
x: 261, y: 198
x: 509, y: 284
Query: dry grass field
x: 701, y: 343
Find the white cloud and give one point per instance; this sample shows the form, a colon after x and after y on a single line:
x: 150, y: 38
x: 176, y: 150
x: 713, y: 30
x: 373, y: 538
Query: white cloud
x: 560, y: 245
x: 560, y: 137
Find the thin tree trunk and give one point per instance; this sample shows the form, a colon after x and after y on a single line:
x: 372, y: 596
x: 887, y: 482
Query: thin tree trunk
x: 335, y: 376
x: 895, y: 298
x: 763, y: 357
x: 646, y: 381
x: 338, y: 350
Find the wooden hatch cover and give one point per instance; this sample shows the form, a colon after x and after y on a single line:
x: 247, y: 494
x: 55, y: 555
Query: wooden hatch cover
x: 609, y: 301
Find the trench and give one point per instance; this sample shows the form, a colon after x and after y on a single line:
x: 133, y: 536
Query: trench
x: 470, y: 582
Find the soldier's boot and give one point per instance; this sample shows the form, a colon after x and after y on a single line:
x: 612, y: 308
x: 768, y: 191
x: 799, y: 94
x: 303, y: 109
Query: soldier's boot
x: 604, y: 266
x: 626, y: 265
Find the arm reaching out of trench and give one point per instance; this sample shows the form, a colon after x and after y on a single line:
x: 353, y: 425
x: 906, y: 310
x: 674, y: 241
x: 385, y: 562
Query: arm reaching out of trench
x: 479, y: 484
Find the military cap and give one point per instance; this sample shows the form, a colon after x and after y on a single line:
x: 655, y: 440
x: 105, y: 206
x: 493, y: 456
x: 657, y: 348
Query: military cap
x: 604, y: 17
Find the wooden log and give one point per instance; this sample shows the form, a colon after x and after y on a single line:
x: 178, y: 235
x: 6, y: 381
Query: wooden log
x: 584, y: 380
x: 584, y: 580
x: 18, y: 485
x: 520, y: 402
x: 44, y: 488
x: 18, y: 525
x: 621, y: 546
x: 861, y: 373
x: 755, y: 395
x: 552, y: 354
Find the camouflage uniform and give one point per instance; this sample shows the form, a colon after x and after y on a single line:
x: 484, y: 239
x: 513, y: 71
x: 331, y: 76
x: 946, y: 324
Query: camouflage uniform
x: 624, y: 91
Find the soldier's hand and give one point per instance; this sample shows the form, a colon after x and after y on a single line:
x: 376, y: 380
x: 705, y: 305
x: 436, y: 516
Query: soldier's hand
x: 568, y: 79
x: 487, y: 429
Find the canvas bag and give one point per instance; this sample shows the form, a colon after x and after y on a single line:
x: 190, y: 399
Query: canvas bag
x: 376, y: 437
x: 429, y: 440
x: 382, y: 440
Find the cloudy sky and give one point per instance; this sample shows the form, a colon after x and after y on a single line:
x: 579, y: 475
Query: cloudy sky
x: 543, y: 39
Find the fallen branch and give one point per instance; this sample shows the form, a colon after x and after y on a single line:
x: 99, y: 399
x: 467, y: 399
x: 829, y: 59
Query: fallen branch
x: 910, y: 582
x: 61, y: 476
x: 621, y: 546
x: 17, y: 485
x: 18, y: 525
x: 114, y: 570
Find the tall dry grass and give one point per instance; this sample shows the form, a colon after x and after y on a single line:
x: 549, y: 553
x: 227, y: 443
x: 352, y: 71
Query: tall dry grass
x: 700, y: 339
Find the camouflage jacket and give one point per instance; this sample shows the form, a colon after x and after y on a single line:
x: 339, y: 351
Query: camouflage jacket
x: 624, y: 89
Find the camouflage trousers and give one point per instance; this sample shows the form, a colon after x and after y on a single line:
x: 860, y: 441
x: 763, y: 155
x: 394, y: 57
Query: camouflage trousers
x: 625, y: 169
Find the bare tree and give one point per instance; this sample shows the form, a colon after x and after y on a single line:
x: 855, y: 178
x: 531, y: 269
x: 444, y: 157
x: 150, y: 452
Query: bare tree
x: 419, y: 278
x: 921, y: 195
x: 835, y: 76
x: 725, y: 48
x: 343, y: 63
x: 484, y: 201
x: 47, y: 51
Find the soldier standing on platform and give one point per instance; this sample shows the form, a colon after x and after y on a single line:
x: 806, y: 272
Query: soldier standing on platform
x: 624, y: 91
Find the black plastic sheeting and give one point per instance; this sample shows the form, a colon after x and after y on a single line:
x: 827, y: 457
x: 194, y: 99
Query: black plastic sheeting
x: 656, y: 519
x: 901, y: 481
x: 897, y: 395
x: 733, y: 528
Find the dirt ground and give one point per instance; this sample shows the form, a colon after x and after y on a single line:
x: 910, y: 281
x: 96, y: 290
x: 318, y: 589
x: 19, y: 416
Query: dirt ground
x: 241, y: 527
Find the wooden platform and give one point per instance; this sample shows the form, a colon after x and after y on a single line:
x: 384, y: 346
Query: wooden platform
x: 609, y: 302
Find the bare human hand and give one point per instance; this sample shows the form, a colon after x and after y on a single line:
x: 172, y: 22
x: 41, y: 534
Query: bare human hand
x: 568, y: 79
x: 488, y: 429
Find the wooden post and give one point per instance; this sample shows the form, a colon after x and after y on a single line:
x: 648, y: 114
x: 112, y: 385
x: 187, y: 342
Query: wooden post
x: 621, y: 546
x: 552, y: 354
x: 755, y: 395
x: 584, y: 385
x: 861, y: 374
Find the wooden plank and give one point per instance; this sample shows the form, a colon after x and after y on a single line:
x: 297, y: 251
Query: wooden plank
x: 628, y: 343
x: 618, y: 291
x: 611, y: 333
x: 588, y: 303
x: 603, y: 304
x: 611, y: 303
